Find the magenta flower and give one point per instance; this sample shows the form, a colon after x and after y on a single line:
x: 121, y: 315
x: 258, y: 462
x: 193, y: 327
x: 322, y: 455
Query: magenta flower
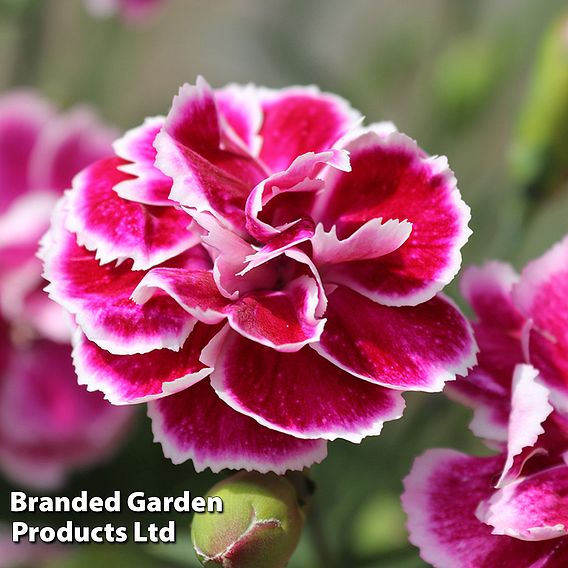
x: 509, y: 510
x: 265, y: 272
x: 132, y: 12
x: 48, y: 425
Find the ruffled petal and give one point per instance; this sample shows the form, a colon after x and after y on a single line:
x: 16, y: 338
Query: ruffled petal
x: 284, y: 198
x: 442, y: 493
x: 542, y: 294
x: 195, y: 424
x: 299, y: 393
x: 131, y: 379
x: 118, y: 229
x: 148, y: 184
x: 206, y: 176
x: 534, y: 508
x: 22, y: 117
x: 195, y: 291
x: 284, y: 320
x: 298, y: 120
x: 529, y: 409
x: 99, y: 297
x: 371, y: 240
x: 488, y: 289
x: 240, y: 110
x: 391, y: 178
x: 408, y: 348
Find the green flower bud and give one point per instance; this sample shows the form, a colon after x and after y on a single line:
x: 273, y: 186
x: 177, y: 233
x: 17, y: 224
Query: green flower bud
x: 259, y: 527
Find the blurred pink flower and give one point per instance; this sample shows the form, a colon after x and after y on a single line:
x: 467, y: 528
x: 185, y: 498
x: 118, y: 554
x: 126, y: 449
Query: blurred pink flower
x: 27, y: 554
x: 48, y: 425
x: 510, y: 510
x: 265, y: 271
x: 132, y: 12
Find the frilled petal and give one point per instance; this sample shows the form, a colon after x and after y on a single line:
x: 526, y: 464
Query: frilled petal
x: 241, y: 112
x: 22, y: 117
x: 148, y: 184
x: 287, y: 196
x: 299, y: 232
x: 195, y: 291
x: 534, y: 508
x: 391, y: 178
x: 99, y: 297
x: 48, y: 424
x: 499, y: 332
x: 372, y: 240
x: 442, y: 493
x: 130, y: 379
x: 284, y: 320
x: 207, y: 177
x: 408, y: 348
x: 298, y: 120
x: 118, y: 229
x: 196, y: 424
x: 529, y: 409
x: 542, y: 294
x: 488, y: 289
x: 67, y: 144
x: 299, y: 393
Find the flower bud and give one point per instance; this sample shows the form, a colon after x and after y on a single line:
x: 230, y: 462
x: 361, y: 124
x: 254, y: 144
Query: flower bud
x: 259, y: 527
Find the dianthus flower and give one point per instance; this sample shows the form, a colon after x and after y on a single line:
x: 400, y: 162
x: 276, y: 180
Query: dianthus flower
x: 48, y: 424
x: 508, y: 510
x: 265, y: 271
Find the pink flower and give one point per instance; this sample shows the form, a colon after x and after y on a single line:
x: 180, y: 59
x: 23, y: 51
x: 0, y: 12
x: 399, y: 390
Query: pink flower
x: 509, y: 510
x: 132, y: 12
x: 48, y: 425
x: 265, y: 272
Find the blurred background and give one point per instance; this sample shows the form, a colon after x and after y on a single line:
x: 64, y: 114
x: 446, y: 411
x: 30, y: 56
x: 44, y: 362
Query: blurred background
x: 475, y: 80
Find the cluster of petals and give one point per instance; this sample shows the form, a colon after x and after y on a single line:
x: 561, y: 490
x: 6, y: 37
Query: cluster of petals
x: 510, y: 509
x: 48, y: 424
x: 264, y: 272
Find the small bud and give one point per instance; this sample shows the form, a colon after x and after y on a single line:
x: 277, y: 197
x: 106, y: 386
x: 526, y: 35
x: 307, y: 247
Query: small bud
x: 259, y: 527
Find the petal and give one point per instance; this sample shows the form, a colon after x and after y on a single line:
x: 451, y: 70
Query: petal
x: 284, y: 320
x: 67, y: 144
x: 148, y: 184
x: 131, y: 379
x: 298, y: 120
x: 408, y: 348
x: 441, y: 495
x: 118, y: 229
x: 542, y: 295
x: 372, y: 240
x: 240, y: 108
x: 529, y: 410
x: 189, y: 150
x: 60, y: 426
x: 283, y: 198
x: 298, y: 393
x: 99, y: 297
x: 195, y: 424
x: 22, y: 117
x: 195, y: 291
x: 391, y: 178
x: 299, y: 232
x: 533, y: 508
x: 488, y: 289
